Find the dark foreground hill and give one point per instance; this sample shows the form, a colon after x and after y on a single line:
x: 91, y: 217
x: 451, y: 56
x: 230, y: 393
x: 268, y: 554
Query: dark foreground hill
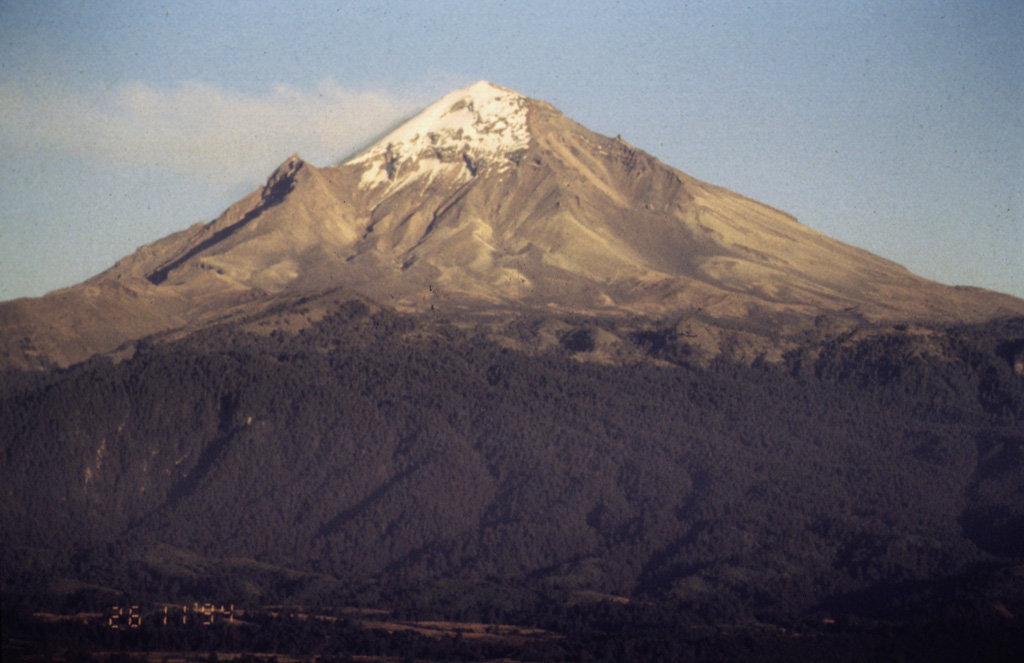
x: 382, y: 458
x: 637, y: 415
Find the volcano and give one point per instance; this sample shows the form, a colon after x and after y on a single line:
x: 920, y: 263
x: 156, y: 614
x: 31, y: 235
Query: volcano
x: 499, y: 364
x: 489, y: 203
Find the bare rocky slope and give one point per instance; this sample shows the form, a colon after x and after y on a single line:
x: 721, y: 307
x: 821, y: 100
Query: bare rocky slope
x: 322, y: 399
x: 491, y: 204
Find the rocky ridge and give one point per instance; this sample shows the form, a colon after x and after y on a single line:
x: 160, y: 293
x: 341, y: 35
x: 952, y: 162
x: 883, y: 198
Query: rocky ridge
x: 491, y: 205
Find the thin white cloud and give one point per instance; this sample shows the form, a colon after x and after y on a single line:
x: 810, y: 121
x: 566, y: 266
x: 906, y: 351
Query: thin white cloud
x: 221, y: 136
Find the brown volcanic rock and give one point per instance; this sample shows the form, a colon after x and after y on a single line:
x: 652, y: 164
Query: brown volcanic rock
x: 487, y: 202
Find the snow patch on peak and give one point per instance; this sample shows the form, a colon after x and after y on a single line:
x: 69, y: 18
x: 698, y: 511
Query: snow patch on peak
x: 477, y: 126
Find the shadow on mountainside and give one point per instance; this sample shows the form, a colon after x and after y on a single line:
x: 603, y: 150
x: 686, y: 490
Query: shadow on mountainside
x: 274, y: 193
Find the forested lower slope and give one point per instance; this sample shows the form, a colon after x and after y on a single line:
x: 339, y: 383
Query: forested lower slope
x: 376, y: 447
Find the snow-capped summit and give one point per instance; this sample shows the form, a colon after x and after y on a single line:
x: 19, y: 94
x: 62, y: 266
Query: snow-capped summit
x: 477, y: 126
x: 489, y: 203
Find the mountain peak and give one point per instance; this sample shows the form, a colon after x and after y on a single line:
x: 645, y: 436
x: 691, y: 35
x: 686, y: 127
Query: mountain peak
x: 476, y: 126
x: 489, y: 203
x: 284, y: 173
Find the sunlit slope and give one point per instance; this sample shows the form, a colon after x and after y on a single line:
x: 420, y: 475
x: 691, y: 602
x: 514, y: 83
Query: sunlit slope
x: 488, y: 202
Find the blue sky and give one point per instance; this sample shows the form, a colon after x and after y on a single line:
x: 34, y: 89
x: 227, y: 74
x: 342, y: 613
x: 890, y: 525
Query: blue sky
x: 896, y: 127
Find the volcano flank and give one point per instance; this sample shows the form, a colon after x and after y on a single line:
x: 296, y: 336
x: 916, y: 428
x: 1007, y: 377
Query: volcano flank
x: 491, y: 203
x: 501, y: 388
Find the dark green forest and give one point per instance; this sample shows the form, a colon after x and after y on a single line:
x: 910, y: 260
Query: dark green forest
x: 378, y: 460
